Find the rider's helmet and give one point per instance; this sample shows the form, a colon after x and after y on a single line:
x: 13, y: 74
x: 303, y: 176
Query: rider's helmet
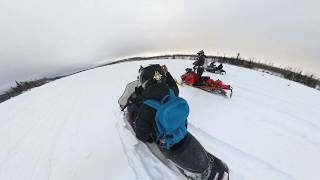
x: 200, y: 52
x: 150, y: 75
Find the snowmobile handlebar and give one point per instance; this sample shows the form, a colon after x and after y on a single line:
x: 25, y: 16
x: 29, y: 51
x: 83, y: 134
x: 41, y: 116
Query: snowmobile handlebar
x: 124, y: 107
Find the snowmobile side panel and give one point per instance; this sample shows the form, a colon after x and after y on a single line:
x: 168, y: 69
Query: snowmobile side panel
x: 211, y: 89
x: 130, y: 88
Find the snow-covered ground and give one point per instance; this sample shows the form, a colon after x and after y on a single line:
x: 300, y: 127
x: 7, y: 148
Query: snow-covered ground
x: 72, y: 128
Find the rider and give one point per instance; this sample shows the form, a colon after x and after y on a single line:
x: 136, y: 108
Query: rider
x: 199, y: 63
x: 212, y: 65
x: 155, y: 83
x: 220, y: 67
x: 199, y: 66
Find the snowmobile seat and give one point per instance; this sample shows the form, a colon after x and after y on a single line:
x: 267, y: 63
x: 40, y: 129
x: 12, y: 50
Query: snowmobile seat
x: 204, y: 78
x: 186, y: 153
x: 188, y: 70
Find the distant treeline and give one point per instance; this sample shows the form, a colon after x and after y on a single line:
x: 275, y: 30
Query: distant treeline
x: 287, y: 73
x: 20, y: 87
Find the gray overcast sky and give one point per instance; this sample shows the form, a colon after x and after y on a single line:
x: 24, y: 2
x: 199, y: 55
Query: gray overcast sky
x: 40, y: 37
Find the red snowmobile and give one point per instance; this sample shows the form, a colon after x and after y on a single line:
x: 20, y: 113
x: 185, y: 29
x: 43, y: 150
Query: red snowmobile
x: 205, y: 83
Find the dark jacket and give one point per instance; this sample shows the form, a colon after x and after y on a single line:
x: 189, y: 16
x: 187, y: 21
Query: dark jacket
x: 200, y: 61
x: 144, y: 122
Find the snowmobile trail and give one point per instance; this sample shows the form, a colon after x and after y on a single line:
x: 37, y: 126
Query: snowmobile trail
x: 231, y: 155
x: 72, y: 128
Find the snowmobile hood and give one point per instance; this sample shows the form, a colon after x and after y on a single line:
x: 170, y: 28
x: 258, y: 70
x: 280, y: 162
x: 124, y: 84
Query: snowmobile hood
x: 155, y: 91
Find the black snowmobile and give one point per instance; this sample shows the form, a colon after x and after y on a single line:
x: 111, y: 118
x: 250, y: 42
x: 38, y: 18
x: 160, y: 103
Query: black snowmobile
x: 215, y: 69
x: 190, y: 159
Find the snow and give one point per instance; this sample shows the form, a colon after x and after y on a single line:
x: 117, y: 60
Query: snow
x: 72, y: 128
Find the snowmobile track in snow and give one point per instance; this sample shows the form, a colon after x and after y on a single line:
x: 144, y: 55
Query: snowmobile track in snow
x: 232, y: 154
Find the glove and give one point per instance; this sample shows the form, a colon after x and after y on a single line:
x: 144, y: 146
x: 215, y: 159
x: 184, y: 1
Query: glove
x: 138, y: 90
x: 150, y: 140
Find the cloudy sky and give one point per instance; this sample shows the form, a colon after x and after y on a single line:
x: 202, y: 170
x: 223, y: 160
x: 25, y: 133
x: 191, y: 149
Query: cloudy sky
x: 42, y: 37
